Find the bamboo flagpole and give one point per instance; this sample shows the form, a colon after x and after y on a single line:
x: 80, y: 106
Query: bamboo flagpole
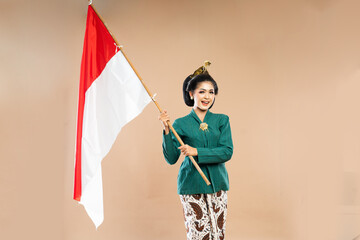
x: 152, y: 98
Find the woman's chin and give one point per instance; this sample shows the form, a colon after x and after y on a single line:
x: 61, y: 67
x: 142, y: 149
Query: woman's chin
x: 203, y: 108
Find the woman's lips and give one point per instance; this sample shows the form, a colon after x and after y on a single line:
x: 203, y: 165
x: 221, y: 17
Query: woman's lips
x: 205, y: 103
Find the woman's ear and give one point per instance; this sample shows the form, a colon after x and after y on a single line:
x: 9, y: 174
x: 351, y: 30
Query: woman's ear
x: 191, y: 95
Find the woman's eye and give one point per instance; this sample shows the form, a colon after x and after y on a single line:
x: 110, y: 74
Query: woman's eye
x: 211, y: 92
x: 201, y: 92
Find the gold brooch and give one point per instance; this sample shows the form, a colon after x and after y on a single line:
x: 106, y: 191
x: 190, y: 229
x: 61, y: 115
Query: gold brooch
x: 204, y: 126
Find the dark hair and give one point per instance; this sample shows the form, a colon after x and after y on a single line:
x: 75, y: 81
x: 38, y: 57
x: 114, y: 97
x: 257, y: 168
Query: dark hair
x: 190, y: 85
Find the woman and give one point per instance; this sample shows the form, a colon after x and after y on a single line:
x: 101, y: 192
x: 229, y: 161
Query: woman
x: 207, y: 137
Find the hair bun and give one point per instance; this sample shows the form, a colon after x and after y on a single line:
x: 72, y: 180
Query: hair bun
x: 188, y: 101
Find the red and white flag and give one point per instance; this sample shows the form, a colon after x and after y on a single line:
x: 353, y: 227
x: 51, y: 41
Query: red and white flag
x: 110, y: 96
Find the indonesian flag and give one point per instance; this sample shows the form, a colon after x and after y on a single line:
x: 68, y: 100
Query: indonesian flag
x: 110, y: 96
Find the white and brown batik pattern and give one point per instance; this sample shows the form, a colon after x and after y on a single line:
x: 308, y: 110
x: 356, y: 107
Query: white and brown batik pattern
x: 205, y: 215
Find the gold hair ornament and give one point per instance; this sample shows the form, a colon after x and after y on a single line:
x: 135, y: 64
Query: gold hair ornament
x: 202, y: 69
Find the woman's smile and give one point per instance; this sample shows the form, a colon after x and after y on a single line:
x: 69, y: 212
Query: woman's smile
x: 205, y: 103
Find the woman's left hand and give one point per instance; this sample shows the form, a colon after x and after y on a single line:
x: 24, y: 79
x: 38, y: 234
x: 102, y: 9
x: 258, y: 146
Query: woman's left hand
x: 188, y: 151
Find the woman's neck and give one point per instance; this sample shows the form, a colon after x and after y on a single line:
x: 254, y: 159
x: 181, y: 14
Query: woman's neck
x: 200, y: 113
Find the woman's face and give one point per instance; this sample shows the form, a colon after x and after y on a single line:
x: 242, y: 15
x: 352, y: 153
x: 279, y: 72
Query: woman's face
x: 203, y: 95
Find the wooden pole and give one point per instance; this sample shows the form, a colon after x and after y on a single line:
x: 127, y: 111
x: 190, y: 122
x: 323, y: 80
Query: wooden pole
x: 151, y: 96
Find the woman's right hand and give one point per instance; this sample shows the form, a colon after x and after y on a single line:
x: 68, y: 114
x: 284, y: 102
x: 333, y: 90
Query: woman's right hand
x: 164, y: 118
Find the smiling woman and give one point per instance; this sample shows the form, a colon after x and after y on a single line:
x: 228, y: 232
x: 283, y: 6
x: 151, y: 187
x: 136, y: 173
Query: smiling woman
x: 207, y: 137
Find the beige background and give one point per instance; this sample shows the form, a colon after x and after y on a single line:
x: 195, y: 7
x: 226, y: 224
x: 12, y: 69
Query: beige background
x: 289, y: 78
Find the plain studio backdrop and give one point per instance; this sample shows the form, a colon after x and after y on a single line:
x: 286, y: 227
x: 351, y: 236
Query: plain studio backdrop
x: 289, y: 79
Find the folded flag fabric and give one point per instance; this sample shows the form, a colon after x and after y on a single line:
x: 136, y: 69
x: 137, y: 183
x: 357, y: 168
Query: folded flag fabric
x: 110, y: 96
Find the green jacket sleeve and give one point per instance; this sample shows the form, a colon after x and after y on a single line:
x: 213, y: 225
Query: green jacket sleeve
x: 223, y: 151
x: 170, y: 146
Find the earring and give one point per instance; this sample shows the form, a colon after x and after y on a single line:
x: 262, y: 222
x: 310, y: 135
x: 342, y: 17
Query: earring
x: 191, y: 98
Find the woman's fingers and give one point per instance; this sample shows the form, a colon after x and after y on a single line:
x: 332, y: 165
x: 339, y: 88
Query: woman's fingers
x: 188, y: 150
x: 185, y: 149
x: 182, y: 148
x: 164, y: 118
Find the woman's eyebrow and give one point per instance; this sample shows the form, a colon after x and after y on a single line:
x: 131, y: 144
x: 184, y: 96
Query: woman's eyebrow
x: 206, y: 89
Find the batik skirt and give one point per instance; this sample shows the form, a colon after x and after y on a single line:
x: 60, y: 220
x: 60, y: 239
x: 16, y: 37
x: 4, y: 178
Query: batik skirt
x: 205, y: 215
